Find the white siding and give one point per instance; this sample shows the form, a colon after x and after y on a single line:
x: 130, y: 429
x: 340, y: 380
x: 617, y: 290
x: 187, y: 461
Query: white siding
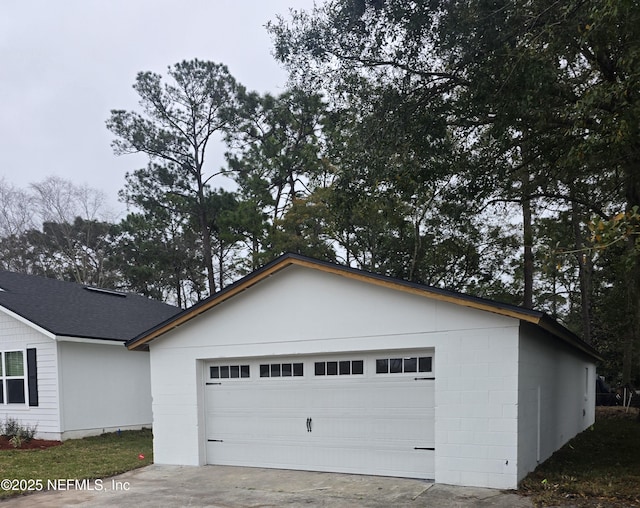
x: 556, y: 397
x: 15, y: 335
x: 301, y: 311
x: 105, y: 387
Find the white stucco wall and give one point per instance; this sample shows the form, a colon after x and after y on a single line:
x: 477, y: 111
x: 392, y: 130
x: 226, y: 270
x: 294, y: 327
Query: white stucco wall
x: 302, y: 311
x: 104, y: 388
x: 16, y: 335
x: 556, y: 394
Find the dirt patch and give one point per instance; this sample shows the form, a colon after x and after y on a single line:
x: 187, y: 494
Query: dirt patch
x: 34, y: 444
x: 616, y: 412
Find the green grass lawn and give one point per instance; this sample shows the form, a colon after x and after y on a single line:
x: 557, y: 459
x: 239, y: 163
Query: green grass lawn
x: 78, y: 459
x: 598, y: 468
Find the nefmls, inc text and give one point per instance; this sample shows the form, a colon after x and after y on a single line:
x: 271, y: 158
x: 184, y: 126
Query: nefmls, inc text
x: 95, y: 485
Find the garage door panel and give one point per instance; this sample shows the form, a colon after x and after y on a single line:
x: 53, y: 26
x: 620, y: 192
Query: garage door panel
x: 287, y: 455
x: 257, y: 429
x: 367, y: 460
x: 239, y: 394
x: 259, y: 425
x: 366, y: 423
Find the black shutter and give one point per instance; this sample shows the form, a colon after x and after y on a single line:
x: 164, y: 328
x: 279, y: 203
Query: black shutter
x: 32, y: 376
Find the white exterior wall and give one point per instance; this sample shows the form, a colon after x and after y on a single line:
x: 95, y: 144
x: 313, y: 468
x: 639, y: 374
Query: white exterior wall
x: 557, y: 396
x: 302, y: 311
x: 16, y: 335
x: 104, y: 388
x: 477, y: 407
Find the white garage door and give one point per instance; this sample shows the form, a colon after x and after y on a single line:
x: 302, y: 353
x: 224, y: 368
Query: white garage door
x: 358, y: 413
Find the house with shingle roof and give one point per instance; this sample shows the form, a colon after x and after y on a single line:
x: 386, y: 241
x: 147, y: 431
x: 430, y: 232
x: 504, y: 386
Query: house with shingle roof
x: 63, y: 364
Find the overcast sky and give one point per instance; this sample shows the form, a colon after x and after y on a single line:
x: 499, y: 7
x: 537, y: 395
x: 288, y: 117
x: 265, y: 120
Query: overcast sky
x: 64, y: 64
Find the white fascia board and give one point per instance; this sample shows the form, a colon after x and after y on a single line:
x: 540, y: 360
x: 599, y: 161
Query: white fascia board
x: 30, y: 324
x: 84, y: 340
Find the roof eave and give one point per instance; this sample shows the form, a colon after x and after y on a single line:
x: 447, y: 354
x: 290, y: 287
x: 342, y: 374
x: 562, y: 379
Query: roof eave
x: 553, y: 327
x: 27, y: 322
x: 90, y: 340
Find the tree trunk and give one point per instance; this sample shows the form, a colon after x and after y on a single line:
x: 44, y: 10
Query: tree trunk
x: 416, y: 250
x: 178, y: 288
x: 208, y: 258
x: 527, y: 299
x: 205, y: 234
x: 632, y: 338
x: 255, y: 252
x: 221, y: 267
x: 627, y: 356
x: 585, y: 270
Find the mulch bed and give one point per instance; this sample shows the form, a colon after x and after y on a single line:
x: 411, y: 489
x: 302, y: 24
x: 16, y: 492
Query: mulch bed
x: 34, y: 444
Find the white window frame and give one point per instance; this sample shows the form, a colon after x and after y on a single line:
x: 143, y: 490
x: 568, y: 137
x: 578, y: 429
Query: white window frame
x: 4, y: 378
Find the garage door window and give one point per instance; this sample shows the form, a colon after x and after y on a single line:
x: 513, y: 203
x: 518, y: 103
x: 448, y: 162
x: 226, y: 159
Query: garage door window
x: 229, y: 371
x: 342, y: 368
x: 281, y: 370
x: 404, y: 365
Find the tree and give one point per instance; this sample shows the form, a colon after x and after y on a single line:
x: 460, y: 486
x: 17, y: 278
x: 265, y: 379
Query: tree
x: 58, y: 229
x: 75, y: 229
x: 303, y: 229
x: 157, y: 255
x: 15, y: 210
x: 279, y: 139
x: 76, y: 251
x: 276, y: 157
x: 60, y: 200
x: 179, y: 121
x: 547, y: 89
x: 563, y: 75
x: 227, y: 232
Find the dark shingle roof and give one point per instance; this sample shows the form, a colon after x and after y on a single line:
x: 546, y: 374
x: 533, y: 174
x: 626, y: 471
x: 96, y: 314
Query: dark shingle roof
x: 75, y: 310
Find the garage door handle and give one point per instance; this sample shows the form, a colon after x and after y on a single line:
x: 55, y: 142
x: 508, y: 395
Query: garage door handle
x: 309, y: 424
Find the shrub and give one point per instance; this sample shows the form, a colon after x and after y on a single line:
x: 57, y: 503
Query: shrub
x: 16, y: 441
x: 12, y: 428
x: 28, y: 432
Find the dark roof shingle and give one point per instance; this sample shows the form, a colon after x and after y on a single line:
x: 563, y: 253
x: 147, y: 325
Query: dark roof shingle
x: 75, y: 310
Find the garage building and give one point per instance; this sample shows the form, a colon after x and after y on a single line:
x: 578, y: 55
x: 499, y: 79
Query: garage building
x: 310, y: 365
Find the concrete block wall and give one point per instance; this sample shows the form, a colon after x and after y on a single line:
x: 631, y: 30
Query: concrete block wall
x: 176, y: 422
x: 556, y: 394
x: 476, y: 408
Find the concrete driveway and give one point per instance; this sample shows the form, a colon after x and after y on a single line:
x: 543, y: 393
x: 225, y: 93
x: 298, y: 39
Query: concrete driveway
x: 235, y: 487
